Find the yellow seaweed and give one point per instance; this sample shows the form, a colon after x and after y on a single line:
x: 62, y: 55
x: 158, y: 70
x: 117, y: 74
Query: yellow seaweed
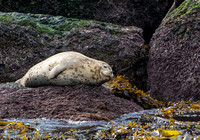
x: 169, y: 133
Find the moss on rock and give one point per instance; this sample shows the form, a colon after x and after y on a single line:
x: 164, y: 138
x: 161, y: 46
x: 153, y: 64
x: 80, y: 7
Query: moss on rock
x: 44, y: 23
x: 188, y: 7
x: 50, y: 25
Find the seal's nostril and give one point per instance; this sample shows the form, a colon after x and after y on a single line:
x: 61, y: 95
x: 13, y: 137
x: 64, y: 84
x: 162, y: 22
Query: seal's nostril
x: 112, y: 75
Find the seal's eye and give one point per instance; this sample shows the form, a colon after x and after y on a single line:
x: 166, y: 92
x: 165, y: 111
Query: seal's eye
x: 105, y: 66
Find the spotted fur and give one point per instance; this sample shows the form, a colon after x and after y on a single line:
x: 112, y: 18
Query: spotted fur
x: 67, y: 68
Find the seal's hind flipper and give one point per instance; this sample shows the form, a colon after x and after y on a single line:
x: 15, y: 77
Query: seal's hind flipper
x: 20, y: 82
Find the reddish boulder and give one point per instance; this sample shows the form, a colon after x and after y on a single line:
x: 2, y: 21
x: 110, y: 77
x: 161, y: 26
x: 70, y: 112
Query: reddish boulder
x: 173, y: 68
x: 71, y: 102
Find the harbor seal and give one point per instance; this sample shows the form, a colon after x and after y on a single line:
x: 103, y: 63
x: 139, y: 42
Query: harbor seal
x: 67, y: 68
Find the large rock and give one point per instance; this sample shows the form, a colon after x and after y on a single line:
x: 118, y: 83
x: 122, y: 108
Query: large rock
x: 174, y: 63
x: 72, y: 102
x: 26, y: 39
x: 146, y: 14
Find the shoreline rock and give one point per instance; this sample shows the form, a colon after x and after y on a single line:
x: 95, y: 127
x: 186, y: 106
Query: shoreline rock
x: 71, y: 102
x: 174, y: 57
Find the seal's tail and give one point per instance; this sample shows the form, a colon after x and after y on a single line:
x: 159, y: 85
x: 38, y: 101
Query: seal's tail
x: 18, y: 81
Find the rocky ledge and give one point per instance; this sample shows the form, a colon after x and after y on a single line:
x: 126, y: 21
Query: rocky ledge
x: 71, y: 102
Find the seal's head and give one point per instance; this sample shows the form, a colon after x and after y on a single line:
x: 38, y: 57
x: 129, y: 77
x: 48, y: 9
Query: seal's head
x: 106, y: 71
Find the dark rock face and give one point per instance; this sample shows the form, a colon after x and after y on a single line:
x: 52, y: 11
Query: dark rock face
x: 173, y: 68
x: 77, y: 8
x: 75, y: 103
x: 144, y: 14
x: 121, y: 47
x: 19, y: 46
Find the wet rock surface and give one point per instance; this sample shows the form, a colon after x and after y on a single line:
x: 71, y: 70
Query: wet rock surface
x: 28, y: 39
x: 173, y: 68
x: 74, y: 103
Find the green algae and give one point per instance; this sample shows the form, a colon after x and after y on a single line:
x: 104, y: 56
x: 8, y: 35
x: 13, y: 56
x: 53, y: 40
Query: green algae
x: 188, y: 7
x: 51, y: 25
x: 56, y: 25
x: 5, y: 18
x: 184, y: 19
x: 44, y: 23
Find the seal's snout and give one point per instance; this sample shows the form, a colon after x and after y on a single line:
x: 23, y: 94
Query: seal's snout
x: 111, y: 75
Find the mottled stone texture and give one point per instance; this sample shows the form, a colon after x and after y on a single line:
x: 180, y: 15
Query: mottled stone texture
x: 73, y: 102
x: 20, y: 48
x: 174, y: 63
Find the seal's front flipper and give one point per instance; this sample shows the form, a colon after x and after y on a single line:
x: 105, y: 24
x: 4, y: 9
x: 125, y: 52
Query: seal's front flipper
x: 59, y: 68
x: 56, y: 71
